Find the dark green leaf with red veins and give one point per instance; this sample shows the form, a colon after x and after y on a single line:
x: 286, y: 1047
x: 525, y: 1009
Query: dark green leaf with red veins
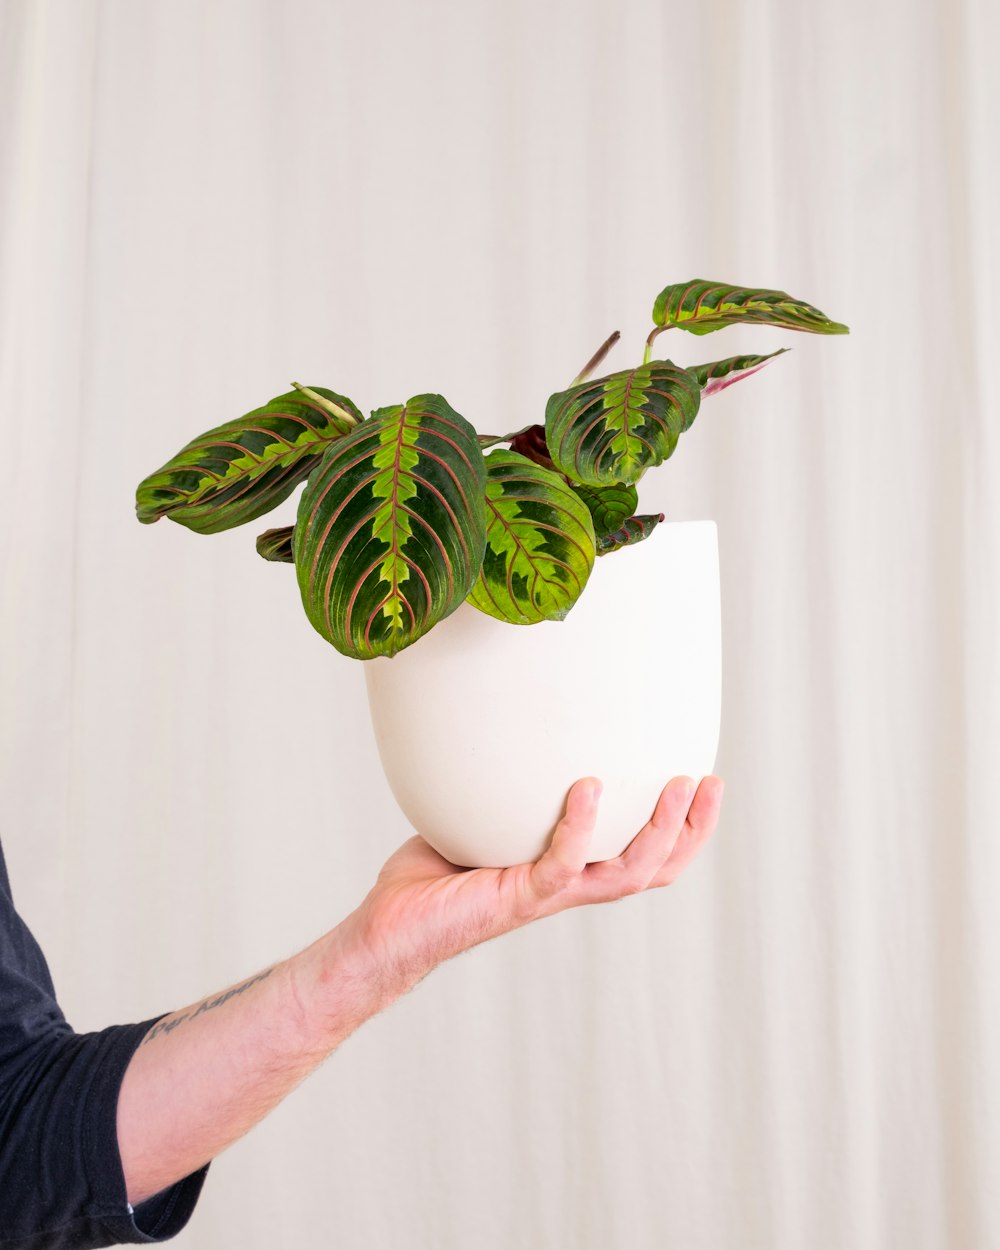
x: 276, y: 544
x: 238, y: 471
x: 391, y: 528
x: 613, y: 429
x: 722, y: 373
x: 701, y: 307
x: 609, y: 506
x: 539, y: 543
x: 634, y: 530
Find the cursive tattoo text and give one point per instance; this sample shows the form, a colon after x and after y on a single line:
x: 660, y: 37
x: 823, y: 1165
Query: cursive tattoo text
x: 168, y: 1024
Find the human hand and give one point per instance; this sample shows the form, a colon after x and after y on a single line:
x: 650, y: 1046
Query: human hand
x: 423, y: 910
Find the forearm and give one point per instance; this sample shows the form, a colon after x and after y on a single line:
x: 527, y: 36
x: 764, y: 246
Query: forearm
x: 206, y: 1074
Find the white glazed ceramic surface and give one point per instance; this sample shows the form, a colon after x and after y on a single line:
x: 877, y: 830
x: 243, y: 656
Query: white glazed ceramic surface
x: 482, y: 726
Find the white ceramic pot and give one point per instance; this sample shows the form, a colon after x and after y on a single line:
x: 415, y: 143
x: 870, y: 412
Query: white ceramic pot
x: 482, y: 726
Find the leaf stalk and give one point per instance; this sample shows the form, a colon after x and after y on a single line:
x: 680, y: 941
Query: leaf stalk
x: 647, y: 354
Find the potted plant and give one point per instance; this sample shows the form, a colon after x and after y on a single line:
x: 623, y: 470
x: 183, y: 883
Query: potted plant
x: 411, y: 524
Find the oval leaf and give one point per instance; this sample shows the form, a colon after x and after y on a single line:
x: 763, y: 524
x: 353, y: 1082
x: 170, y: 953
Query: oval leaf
x: 276, y: 544
x: 722, y: 373
x: 609, y: 506
x: 391, y: 528
x: 702, y: 307
x: 539, y: 543
x: 634, y: 530
x: 613, y: 429
x: 240, y: 470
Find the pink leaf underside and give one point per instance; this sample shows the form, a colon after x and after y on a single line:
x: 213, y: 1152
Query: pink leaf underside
x: 720, y: 384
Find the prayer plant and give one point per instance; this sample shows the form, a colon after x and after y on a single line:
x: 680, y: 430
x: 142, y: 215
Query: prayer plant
x: 407, y: 513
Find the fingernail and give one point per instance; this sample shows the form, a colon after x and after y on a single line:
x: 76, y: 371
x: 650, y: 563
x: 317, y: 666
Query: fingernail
x: 596, y: 790
x: 688, y: 788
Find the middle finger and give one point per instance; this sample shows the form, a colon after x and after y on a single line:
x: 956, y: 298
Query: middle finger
x: 652, y: 845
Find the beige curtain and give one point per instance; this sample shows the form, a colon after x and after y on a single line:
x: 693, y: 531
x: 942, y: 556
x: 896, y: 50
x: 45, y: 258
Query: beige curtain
x: 798, y: 1045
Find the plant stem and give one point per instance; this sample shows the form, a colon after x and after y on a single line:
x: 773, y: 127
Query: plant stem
x: 649, y: 342
x: 488, y: 440
x: 597, y: 357
x: 327, y: 404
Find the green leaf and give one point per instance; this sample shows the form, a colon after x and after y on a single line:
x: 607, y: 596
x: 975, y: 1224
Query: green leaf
x: 238, y: 471
x: 634, y: 530
x: 539, y: 543
x: 702, y: 307
x: 722, y: 373
x: 613, y: 429
x: 609, y: 506
x: 391, y: 528
x: 276, y: 544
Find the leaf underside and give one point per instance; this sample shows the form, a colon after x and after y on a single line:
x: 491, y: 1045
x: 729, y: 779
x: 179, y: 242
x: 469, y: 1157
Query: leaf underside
x: 701, y: 307
x: 719, y: 374
x: 238, y: 471
x: 539, y: 543
x: 391, y: 528
x: 634, y: 530
x: 276, y: 544
x: 613, y: 429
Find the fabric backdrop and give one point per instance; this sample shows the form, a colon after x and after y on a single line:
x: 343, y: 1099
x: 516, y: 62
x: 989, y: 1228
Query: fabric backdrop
x: 796, y: 1046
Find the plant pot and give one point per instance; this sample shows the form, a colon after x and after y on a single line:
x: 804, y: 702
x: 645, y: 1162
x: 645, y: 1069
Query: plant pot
x: 482, y: 726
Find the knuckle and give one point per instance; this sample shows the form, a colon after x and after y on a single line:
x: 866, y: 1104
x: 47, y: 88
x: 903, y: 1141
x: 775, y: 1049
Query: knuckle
x: 562, y: 876
x: 619, y: 887
x: 571, y: 828
x: 632, y: 879
x: 555, y: 879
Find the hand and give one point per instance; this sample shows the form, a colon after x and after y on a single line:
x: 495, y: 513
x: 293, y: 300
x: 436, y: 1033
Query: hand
x: 422, y: 909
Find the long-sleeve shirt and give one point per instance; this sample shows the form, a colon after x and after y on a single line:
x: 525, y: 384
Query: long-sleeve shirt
x: 61, y: 1181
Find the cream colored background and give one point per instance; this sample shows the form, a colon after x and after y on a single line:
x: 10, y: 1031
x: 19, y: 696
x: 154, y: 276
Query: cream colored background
x: 798, y: 1046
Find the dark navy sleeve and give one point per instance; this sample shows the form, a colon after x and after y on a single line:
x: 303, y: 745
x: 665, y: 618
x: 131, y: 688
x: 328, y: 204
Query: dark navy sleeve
x: 61, y: 1180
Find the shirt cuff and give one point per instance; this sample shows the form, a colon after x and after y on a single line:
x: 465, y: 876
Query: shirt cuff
x: 161, y: 1216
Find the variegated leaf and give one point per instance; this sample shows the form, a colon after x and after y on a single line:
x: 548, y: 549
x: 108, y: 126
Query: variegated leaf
x: 701, y: 307
x: 722, y: 373
x: 236, y: 472
x: 613, y: 429
x: 634, y: 530
x: 391, y: 528
x: 276, y: 544
x: 609, y: 505
x: 539, y: 543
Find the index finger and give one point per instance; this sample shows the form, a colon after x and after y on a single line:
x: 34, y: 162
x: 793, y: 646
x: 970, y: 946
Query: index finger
x: 566, y: 856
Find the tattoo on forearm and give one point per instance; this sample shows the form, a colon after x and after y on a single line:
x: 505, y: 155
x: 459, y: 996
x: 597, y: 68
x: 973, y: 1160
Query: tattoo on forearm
x: 171, y: 1022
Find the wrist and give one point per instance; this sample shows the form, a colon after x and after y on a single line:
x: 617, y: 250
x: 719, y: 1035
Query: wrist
x: 339, y: 982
